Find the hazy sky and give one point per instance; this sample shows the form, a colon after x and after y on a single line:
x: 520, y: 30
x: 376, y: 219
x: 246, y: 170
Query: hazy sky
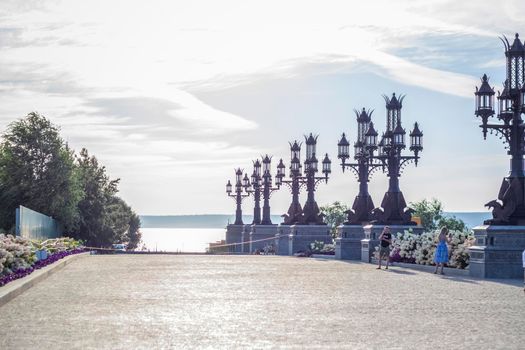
x: 171, y: 96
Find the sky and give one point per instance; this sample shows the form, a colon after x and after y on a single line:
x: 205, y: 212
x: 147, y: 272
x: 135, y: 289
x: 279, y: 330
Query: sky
x: 172, y: 96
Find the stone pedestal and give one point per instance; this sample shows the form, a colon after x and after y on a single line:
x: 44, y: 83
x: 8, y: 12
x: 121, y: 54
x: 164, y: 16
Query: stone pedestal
x: 497, y: 251
x: 348, y: 242
x: 263, y: 233
x: 246, y: 238
x: 282, y: 239
x: 235, y: 234
x: 372, y: 233
x: 302, y: 235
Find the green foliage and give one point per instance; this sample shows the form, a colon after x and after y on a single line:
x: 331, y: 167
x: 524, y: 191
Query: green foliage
x: 104, y: 218
x: 431, y: 214
x: 98, y: 190
x: 134, y: 234
x: 334, y: 215
x: 452, y: 223
x: 37, y: 170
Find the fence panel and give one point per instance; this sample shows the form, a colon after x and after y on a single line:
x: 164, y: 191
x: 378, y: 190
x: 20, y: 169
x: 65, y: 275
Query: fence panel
x: 34, y: 225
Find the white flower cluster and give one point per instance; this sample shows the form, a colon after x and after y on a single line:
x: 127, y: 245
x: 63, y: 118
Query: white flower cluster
x: 420, y: 249
x: 458, y: 249
x: 56, y: 244
x: 425, y: 248
x: 19, y: 253
x: 15, y: 253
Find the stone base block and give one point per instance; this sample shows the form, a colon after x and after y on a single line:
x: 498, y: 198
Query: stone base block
x: 246, y: 238
x: 348, y: 242
x: 372, y: 233
x: 302, y: 235
x: 497, y: 252
x: 235, y: 235
x: 262, y: 236
x: 282, y: 239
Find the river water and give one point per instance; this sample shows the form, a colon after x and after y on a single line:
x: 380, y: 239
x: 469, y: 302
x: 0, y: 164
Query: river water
x: 180, y: 239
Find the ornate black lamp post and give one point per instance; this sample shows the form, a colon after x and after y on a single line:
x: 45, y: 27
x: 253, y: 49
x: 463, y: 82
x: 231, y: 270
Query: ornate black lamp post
x: 310, y: 214
x: 240, y: 184
x: 268, y: 188
x: 394, y: 209
x: 295, y: 211
x: 363, y: 168
x: 256, y: 183
x: 511, y: 208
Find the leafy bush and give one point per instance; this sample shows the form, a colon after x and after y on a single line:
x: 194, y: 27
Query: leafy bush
x: 432, y: 217
x: 334, y: 215
x: 17, y: 254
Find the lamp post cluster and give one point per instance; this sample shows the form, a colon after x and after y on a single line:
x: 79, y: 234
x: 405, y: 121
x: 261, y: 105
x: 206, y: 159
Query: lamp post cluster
x: 268, y: 188
x: 510, y: 209
x: 310, y: 214
x: 363, y: 167
x: 387, y: 155
x: 239, y: 193
x: 261, y: 182
x: 255, y: 189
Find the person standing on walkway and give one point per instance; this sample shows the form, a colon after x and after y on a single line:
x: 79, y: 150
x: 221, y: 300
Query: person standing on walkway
x: 384, y: 248
x: 441, y: 253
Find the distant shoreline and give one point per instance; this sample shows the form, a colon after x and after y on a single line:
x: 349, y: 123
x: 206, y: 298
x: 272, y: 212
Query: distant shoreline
x: 471, y: 219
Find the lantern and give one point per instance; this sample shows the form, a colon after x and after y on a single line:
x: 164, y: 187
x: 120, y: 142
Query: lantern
x: 326, y: 165
x: 416, y: 139
x: 266, y: 164
x: 399, y: 136
x: 343, y: 148
x: 311, y: 142
x: 371, y: 137
x: 484, y: 98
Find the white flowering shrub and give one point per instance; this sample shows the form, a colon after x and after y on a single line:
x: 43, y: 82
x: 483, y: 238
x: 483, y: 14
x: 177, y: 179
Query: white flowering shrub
x: 425, y: 248
x: 458, y: 249
x: 319, y: 247
x: 419, y: 249
x: 17, y: 253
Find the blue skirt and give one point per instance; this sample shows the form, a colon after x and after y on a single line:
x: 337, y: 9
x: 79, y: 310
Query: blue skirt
x: 441, y: 253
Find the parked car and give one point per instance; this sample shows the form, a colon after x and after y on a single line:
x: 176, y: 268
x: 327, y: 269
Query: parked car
x: 119, y: 247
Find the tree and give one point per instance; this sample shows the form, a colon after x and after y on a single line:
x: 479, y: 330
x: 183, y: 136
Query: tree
x: 134, y: 234
x: 98, y: 191
x: 37, y: 171
x: 122, y: 223
x: 104, y: 218
x: 334, y: 215
x: 431, y: 214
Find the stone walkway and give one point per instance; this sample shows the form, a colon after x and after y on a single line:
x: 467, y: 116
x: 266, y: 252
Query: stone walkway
x: 240, y: 302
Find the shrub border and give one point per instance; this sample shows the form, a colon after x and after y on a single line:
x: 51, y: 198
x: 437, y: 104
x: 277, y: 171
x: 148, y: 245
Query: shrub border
x: 17, y: 287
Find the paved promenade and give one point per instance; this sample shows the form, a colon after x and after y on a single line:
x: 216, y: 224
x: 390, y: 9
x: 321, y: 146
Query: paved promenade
x: 230, y: 302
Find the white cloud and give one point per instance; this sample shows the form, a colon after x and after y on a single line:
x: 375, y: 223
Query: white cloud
x: 120, y: 77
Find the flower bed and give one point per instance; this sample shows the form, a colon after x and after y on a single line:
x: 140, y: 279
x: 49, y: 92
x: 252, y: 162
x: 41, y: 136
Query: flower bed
x: 408, y: 247
x: 18, y: 256
x: 318, y: 247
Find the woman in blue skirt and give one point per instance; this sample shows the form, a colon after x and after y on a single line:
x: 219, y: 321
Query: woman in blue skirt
x: 441, y: 253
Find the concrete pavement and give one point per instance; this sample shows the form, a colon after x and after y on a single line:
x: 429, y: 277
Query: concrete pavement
x: 229, y: 302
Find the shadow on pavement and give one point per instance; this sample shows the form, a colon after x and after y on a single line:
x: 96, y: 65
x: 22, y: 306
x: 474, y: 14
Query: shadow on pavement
x: 461, y: 279
x: 401, y: 272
